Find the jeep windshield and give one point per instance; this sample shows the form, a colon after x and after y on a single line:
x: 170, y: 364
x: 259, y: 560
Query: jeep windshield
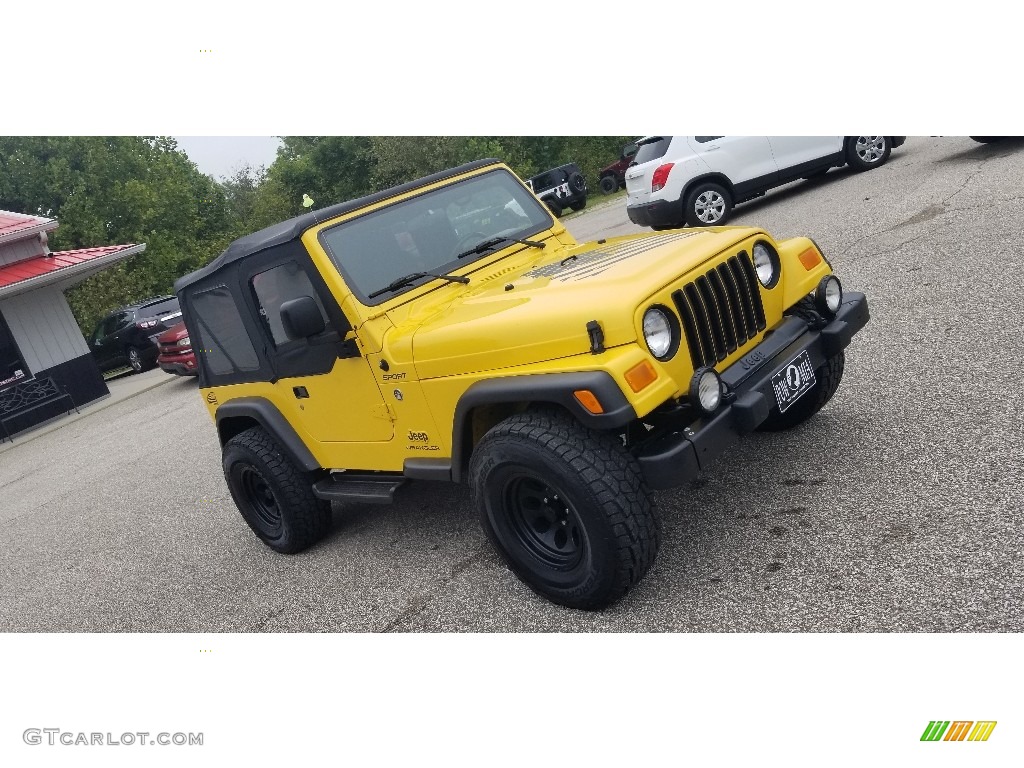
x: 426, y: 234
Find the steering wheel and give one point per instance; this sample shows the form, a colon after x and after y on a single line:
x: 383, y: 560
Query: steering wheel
x: 468, y: 241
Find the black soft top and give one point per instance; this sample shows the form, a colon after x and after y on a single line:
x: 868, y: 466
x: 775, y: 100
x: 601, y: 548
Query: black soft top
x: 292, y: 229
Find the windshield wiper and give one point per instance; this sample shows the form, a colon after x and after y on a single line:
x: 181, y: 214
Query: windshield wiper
x: 401, y: 282
x: 481, y: 247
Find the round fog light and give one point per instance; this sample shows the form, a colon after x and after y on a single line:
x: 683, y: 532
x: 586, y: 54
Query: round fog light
x: 706, y: 389
x: 828, y: 296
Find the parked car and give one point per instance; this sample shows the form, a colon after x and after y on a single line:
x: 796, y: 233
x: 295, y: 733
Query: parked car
x: 176, y: 353
x: 127, y: 337
x: 613, y: 177
x: 560, y: 188
x: 451, y: 329
x: 696, y: 180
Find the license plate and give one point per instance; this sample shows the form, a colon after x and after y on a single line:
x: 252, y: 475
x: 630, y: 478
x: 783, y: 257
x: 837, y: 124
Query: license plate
x: 793, y: 381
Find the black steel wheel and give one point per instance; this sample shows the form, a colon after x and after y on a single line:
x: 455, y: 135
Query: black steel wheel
x: 275, y: 498
x: 566, y: 507
x: 609, y: 184
x: 542, y: 519
x: 554, y: 207
x: 579, y: 205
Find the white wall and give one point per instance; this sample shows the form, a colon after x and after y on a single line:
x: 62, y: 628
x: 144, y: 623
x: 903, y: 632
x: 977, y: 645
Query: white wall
x: 43, y: 328
x: 19, y: 250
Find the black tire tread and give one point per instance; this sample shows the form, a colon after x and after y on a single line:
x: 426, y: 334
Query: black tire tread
x: 307, y: 518
x: 613, y: 476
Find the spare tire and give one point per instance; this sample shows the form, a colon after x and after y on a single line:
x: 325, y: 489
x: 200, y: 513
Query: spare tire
x: 577, y: 183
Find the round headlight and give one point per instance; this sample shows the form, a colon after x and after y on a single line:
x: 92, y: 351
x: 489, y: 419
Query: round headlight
x: 765, y: 264
x: 828, y: 296
x: 186, y: 342
x: 658, y: 333
x: 706, y: 389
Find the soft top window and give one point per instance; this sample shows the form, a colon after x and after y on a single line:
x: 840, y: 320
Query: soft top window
x: 224, y: 344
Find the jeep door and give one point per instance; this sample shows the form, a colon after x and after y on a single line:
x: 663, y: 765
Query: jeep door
x: 801, y: 153
x: 322, y: 382
x: 747, y: 161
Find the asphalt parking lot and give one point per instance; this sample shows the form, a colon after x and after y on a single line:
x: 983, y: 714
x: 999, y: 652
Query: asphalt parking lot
x: 897, y: 508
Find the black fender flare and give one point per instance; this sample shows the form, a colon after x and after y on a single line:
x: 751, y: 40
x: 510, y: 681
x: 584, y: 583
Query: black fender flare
x: 555, y: 388
x: 263, y: 412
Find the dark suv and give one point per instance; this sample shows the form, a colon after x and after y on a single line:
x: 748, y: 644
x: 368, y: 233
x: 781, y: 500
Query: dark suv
x: 561, y: 187
x: 127, y: 336
x: 613, y: 177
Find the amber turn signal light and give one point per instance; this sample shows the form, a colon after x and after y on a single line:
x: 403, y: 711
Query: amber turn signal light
x: 587, y: 399
x: 810, y: 258
x: 639, y: 376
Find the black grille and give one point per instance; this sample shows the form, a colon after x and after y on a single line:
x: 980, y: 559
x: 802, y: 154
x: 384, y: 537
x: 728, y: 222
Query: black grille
x: 721, y: 310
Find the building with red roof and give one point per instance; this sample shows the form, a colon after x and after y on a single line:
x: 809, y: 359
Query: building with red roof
x: 45, y: 362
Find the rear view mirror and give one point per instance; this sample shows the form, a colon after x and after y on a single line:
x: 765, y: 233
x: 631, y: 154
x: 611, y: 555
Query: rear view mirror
x: 301, y: 318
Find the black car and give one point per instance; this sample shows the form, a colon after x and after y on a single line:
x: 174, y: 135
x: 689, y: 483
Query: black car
x: 127, y: 336
x: 560, y: 187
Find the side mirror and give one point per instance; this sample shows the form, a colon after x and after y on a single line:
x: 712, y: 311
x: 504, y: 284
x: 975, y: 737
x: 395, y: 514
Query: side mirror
x: 301, y: 318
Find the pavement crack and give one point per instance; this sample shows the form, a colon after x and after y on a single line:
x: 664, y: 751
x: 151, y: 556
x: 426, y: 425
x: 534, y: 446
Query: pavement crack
x: 414, y: 607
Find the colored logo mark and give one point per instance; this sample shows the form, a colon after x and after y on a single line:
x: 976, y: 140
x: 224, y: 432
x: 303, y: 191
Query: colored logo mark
x: 958, y: 730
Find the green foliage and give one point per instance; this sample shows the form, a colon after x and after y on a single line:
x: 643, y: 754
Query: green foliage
x: 115, y: 190
x: 133, y: 189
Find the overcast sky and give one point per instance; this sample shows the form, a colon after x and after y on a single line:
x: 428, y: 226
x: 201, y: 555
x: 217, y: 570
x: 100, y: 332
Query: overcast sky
x: 220, y: 156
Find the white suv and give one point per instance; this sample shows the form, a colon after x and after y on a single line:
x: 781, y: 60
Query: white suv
x: 696, y: 180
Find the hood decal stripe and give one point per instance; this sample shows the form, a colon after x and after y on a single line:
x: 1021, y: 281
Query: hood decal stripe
x: 600, y: 259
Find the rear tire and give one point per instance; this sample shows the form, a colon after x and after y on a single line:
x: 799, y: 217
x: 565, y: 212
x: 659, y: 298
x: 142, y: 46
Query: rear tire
x: 579, y: 205
x: 827, y: 380
x: 708, y: 205
x: 275, y: 498
x: 135, y: 359
x: 609, y: 184
x: 866, y: 152
x: 555, y: 208
x: 566, y: 507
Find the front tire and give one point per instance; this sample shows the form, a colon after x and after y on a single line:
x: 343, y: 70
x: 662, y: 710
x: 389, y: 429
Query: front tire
x: 827, y: 379
x: 708, y: 205
x: 566, y: 507
x: 866, y: 152
x: 273, y: 495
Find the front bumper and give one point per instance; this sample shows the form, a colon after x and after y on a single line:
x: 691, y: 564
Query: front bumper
x: 675, y: 457
x: 660, y: 213
x: 182, y: 365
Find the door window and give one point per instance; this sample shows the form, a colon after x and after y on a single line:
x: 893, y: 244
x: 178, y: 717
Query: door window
x: 276, y: 286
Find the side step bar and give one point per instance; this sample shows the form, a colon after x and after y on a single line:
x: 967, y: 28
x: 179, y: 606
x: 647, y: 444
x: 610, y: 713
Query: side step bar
x: 364, y: 489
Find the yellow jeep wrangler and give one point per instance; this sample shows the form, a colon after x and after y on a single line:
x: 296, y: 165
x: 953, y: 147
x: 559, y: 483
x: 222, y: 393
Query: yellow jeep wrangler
x: 451, y: 329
